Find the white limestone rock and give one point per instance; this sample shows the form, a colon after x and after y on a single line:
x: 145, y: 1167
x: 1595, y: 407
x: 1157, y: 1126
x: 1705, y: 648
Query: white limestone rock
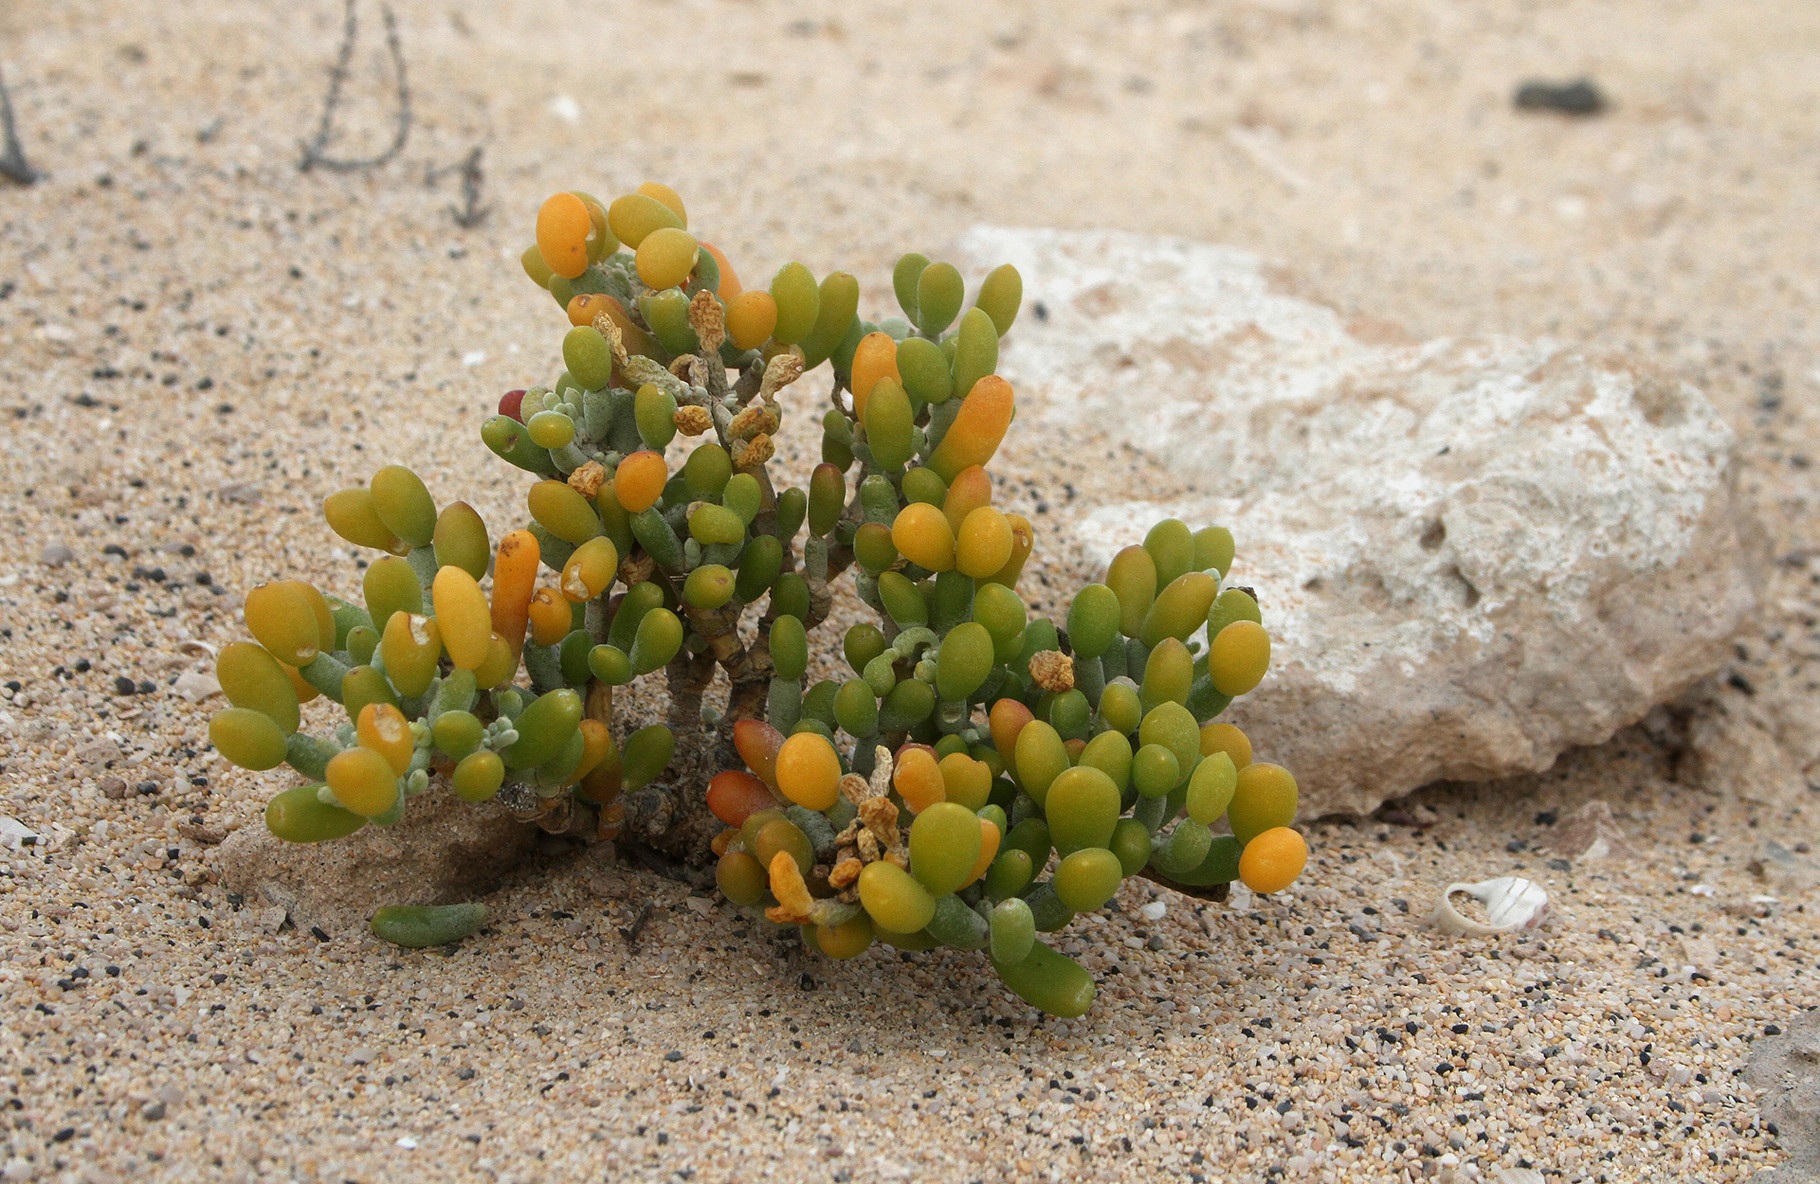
x: 1471, y: 553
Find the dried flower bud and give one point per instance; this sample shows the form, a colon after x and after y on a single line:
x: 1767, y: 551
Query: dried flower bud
x: 636, y: 569
x: 883, y: 766
x: 880, y: 817
x: 756, y: 452
x: 780, y: 372
x: 588, y: 479
x: 708, y: 321
x: 603, y: 324
x: 692, y: 420
x: 1053, y: 671
x: 755, y: 420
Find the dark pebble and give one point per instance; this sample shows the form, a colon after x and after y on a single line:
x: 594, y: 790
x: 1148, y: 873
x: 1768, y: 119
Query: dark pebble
x: 123, y: 685
x: 1772, y: 1029
x: 147, y: 686
x: 673, y: 1056
x: 82, y: 666
x: 1579, y: 97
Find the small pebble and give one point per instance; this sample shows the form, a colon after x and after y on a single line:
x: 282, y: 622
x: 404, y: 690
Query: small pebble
x: 1581, y: 97
x: 195, y: 686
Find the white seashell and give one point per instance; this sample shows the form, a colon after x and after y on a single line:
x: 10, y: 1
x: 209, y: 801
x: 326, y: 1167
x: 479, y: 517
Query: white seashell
x: 1511, y: 903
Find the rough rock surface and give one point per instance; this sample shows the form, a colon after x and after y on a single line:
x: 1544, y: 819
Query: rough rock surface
x: 447, y: 851
x: 1471, y: 554
x: 1740, y: 744
x: 1787, y: 1068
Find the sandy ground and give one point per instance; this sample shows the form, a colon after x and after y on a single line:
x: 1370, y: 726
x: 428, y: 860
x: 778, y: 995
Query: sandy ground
x: 197, y: 342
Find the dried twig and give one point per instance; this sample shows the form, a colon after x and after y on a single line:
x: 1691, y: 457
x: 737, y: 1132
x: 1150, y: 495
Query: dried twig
x: 315, y: 151
x: 13, y: 165
x: 470, y: 213
x: 636, y: 929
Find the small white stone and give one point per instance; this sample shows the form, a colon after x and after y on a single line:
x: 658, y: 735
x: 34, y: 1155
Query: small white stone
x: 15, y: 834
x: 1153, y: 911
x: 196, y: 686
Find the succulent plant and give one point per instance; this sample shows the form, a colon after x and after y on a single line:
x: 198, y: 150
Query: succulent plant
x: 982, y: 775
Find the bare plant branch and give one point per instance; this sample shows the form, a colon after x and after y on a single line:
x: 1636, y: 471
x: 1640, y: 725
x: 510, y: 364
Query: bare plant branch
x: 315, y: 151
x: 13, y: 165
x: 470, y: 213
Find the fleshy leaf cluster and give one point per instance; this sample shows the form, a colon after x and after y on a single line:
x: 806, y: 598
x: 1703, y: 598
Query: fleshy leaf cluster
x: 979, y: 777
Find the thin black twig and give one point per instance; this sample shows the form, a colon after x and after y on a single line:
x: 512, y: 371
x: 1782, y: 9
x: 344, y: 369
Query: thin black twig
x: 13, y: 165
x: 315, y: 151
x: 634, y: 931
x: 470, y: 213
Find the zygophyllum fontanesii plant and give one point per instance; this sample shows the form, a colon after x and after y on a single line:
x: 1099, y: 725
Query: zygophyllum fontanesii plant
x: 979, y: 777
